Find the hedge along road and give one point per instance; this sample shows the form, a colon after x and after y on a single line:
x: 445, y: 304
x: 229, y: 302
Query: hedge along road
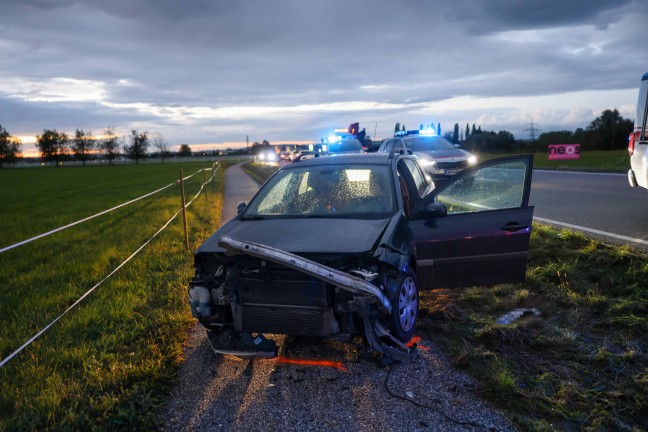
x: 317, y: 384
x: 602, y: 205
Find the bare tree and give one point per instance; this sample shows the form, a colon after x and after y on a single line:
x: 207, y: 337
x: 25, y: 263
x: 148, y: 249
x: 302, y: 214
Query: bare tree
x: 138, y: 147
x: 162, y: 146
x: 82, y: 145
x: 110, y: 144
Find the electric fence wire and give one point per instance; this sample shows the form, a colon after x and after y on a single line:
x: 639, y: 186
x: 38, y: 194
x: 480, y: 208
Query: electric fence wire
x: 70, y: 225
x: 87, y: 293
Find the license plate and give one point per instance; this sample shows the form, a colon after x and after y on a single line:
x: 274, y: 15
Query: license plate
x: 452, y: 172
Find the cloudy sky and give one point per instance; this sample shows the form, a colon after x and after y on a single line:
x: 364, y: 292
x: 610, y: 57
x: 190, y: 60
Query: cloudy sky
x: 213, y: 71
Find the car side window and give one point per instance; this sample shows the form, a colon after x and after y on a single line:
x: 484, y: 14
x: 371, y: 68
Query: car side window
x: 417, y: 175
x: 389, y: 145
x: 492, y: 187
x: 398, y: 143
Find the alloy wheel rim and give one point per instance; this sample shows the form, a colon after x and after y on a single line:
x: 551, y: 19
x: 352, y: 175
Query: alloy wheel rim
x: 407, y: 304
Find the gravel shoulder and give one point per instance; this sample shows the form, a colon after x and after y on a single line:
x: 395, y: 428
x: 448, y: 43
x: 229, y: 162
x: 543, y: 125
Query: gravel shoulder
x: 347, y: 391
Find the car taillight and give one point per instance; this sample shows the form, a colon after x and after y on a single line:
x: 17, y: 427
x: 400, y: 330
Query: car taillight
x: 631, y: 142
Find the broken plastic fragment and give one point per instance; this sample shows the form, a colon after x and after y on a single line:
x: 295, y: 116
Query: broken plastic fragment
x: 514, y: 315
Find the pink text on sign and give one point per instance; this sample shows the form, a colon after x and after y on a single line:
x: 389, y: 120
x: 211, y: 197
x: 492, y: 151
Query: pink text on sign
x: 564, y: 151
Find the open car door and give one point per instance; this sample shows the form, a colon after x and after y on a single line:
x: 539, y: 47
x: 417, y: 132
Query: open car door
x: 474, y: 230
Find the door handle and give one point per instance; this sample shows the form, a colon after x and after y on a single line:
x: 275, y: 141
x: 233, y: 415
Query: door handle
x: 513, y: 227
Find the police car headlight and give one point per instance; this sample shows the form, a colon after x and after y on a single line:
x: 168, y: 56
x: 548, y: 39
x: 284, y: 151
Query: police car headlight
x: 472, y: 160
x: 428, y: 162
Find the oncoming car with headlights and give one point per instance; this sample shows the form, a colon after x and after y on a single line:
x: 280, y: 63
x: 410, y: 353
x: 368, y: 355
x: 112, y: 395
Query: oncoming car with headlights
x: 340, y: 246
x: 440, y: 157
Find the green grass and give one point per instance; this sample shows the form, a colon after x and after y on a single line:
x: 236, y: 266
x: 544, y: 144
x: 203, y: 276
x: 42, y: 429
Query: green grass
x: 609, y: 161
x: 108, y: 363
x: 259, y: 171
x: 584, y: 364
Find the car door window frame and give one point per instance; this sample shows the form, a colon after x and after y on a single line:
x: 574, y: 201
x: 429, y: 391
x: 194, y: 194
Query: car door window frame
x: 422, y: 185
x: 389, y: 144
x: 419, y: 209
x: 405, y: 174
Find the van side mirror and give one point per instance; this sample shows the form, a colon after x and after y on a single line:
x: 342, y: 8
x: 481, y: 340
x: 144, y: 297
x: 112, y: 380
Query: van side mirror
x: 240, y: 207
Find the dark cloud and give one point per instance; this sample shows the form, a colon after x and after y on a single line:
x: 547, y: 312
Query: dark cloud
x: 213, y: 55
x: 502, y: 15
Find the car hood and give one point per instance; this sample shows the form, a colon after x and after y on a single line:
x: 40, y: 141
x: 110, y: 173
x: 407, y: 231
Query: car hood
x: 442, y: 154
x: 304, y: 236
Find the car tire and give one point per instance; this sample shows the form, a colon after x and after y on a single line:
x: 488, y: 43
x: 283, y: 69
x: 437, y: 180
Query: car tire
x: 405, y: 303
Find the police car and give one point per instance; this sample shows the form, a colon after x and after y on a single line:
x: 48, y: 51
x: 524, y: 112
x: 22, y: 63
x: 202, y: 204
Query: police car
x: 440, y: 157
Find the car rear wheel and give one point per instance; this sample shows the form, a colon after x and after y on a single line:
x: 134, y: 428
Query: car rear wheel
x: 405, y: 302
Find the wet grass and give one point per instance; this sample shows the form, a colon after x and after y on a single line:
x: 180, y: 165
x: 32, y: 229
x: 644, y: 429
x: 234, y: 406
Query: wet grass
x: 108, y: 363
x: 583, y: 365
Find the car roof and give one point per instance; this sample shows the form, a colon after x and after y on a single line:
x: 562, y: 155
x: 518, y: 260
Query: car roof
x: 336, y: 159
x: 434, y: 137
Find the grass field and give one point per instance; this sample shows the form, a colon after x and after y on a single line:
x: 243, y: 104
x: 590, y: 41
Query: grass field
x: 584, y: 364
x: 108, y: 363
x: 259, y: 171
x: 609, y: 161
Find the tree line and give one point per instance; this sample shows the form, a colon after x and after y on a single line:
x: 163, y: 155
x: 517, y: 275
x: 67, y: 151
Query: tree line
x: 609, y: 131
x: 10, y: 147
x: 56, y: 146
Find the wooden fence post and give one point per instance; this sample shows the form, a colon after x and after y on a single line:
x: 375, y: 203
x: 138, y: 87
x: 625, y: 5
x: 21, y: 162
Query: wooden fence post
x: 205, y: 184
x: 184, y: 211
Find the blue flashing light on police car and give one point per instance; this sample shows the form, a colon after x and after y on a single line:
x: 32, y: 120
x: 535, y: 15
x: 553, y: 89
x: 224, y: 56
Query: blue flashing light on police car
x: 332, y: 138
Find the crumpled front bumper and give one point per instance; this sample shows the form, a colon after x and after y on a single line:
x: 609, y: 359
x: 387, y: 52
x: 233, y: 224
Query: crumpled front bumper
x: 366, y: 293
x: 327, y: 274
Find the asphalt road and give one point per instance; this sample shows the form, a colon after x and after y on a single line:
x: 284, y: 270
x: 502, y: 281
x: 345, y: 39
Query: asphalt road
x: 319, y: 385
x: 602, y: 204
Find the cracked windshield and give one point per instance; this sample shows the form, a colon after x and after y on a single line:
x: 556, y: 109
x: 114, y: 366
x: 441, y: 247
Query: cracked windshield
x: 326, y: 191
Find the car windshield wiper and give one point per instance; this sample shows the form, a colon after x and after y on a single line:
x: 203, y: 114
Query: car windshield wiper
x: 328, y: 216
x: 255, y: 217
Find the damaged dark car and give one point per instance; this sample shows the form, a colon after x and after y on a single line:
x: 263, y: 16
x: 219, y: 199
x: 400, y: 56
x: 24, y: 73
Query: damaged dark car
x: 341, y: 246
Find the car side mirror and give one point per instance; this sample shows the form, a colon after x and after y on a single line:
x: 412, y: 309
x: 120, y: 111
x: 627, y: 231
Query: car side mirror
x: 436, y: 210
x: 240, y: 207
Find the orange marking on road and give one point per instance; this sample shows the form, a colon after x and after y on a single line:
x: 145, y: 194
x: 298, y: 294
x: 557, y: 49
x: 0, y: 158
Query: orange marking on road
x: 416, y: 340
x: 322, y: 363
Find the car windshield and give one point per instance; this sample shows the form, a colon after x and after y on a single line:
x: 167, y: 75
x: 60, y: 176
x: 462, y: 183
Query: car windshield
x: 352, y: 191
x: 345, y: 146
x: 428, y: 144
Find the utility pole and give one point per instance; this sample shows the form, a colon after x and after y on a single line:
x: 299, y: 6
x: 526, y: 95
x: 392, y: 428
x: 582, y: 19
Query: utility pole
x: 247, y: 144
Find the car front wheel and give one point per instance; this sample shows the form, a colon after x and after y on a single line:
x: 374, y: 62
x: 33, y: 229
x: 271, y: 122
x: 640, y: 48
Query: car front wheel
x: 405, y: 302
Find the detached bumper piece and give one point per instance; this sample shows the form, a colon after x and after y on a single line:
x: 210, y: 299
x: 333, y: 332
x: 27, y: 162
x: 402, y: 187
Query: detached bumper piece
x: 243, y: 346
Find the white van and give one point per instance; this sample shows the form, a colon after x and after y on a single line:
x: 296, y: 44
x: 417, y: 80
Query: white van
x: 638, y: 141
